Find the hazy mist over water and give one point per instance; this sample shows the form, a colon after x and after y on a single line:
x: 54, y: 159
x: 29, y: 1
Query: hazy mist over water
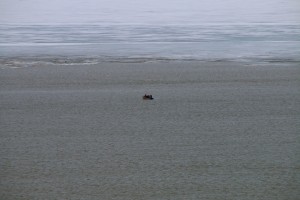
x: 149, y: 11
x: 113, y: 29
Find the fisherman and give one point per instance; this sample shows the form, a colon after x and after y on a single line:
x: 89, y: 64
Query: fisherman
x: 147, y: 96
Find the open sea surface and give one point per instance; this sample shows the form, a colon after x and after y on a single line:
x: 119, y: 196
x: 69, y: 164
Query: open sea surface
x: 23, y: 45
x: 224, y: 122
x: 215, y: 130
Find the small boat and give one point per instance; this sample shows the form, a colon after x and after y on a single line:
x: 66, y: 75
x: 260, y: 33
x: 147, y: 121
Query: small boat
x: 148, y: 97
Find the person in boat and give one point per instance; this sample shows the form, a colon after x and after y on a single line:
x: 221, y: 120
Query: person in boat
x: 146, y: 96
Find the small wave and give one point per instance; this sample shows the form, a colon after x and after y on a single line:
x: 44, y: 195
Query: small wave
x: 282, y: 60
x: 21, y: 62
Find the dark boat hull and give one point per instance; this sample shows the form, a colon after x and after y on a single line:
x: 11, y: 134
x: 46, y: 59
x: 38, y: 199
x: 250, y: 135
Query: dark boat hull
x: 148, y: 98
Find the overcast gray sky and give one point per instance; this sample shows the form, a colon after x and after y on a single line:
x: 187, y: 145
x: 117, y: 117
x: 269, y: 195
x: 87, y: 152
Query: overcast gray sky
x: 149, y: 11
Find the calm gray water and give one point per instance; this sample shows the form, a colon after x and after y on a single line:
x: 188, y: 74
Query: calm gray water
x: 224, y: 123
x: 213, y: 131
